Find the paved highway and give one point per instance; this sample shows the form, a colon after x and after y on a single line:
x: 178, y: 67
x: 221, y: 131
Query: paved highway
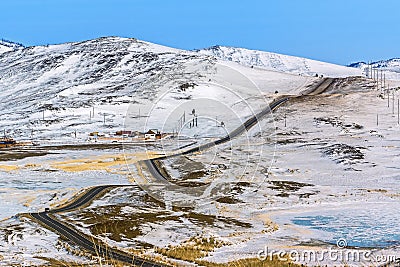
x: 82, y: 200
x: 88, y: 243
x: 319, y: 88
x: 91, y: 245
x: 253, y: 120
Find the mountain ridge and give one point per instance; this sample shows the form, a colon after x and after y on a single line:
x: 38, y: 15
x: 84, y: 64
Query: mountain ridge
x: 6, y: 45
x: 278, y: 62
x: 391, y: 67
x: 52, y: 90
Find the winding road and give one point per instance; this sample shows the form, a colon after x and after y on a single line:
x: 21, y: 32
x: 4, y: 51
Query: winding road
x: 317, y: 89
x: 96, y: 247
x: 88, y: 243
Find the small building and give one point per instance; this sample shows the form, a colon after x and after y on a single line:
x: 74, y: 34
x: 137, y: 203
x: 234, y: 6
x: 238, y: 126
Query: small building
x: 125, y: 133
x: 150, y: 135
x: 7, y: 142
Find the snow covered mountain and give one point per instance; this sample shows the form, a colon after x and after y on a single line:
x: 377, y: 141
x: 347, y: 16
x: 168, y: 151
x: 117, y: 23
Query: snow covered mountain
x: 48, y: 90
x: 6, y: 46
x: 53, y: 91
x: 391, y: 67
x: 278, y: 62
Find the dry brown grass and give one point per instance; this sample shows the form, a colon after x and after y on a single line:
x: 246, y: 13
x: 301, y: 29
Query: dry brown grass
x: 192, y: 249
x: 108, y: 163
x: 196, y: 248
x: 9, y: 168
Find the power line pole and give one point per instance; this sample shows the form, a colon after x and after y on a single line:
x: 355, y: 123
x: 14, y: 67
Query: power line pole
x: 384, y: 80
x: 393, y: 103
x: 285, y: 119
x: 371, y: 72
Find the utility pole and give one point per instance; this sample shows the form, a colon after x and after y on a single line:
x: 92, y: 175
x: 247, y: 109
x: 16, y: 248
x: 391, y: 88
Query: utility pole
x: 384, y: 80
x: 104, y: 120
x: 93, y: 112
x: 371, y: 72
x: 285, y: 119
x: 43, y: 114
x: 377, y: 119
x: 393, y: 103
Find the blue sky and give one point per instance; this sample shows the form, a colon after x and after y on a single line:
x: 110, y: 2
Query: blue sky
x: 339, y: 31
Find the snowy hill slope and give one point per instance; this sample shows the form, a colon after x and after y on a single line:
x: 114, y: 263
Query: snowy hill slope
x: 6, y: 46
x: 278, y: 62
x: 51, y: 92
x: 47, y: 89
x: 391, y: 67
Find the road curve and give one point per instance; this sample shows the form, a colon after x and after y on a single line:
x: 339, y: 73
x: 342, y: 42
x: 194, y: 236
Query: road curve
x: 90, y: 244
x: 319, y: 88
x: 82, y: 200
x: 253, y: 120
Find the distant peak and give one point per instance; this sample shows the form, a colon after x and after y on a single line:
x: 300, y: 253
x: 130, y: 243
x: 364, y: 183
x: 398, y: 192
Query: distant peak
x: 10, y: 44
x: 214, y: 47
